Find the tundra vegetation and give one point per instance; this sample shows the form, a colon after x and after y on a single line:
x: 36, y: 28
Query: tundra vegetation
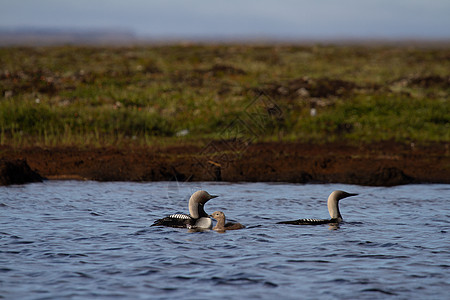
x: 166, y: 94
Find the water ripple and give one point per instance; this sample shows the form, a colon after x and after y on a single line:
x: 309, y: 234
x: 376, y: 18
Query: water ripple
x: 98, y: 243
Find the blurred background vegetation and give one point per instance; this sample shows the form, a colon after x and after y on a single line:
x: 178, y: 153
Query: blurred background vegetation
x: 100, y: 96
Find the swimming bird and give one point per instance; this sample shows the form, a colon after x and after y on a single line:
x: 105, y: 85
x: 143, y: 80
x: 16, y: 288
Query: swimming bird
x: 221, y: 225
x: 197, y: 217
x: 333, y: 209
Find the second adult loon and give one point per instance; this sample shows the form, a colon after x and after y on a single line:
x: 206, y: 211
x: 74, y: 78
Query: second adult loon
x: 197, y: 217
x: 333, y: 209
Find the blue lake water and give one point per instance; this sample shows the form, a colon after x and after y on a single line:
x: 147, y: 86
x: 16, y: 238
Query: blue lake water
x: 87, y: 240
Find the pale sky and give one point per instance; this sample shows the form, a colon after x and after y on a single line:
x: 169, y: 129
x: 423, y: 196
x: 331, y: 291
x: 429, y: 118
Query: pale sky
x: 282, y: 19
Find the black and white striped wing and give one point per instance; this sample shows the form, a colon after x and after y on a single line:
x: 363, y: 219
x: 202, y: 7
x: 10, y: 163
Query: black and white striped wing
x: 175, y: 220
x: 308, y: 222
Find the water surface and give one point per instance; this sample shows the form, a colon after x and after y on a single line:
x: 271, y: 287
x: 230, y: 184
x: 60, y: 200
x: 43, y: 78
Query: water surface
x: 79, y: 240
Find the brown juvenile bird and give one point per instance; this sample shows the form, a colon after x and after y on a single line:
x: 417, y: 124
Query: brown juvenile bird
x: 221, y: 226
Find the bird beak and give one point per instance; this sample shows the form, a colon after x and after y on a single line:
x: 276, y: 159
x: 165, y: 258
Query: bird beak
x: 213, y: 196
x: 352, y: 195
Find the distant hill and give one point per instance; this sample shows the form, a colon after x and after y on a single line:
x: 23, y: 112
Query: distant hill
x: 43, y: 37
x: 49, y: 36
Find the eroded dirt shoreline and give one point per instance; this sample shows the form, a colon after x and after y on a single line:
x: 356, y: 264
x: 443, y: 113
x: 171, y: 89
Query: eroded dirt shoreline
x: 381, y: 164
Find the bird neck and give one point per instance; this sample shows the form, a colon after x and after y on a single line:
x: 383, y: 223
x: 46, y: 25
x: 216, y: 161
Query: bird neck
x: 196, y: 210
x: 333, y: 208
x: 220, y: 224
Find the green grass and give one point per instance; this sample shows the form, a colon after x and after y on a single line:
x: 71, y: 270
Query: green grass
x: 147, y: 94
x: 380, y: 118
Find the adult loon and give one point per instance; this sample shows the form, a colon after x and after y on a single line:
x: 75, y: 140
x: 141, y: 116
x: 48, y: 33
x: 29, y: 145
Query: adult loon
x: 333, y: 209
x: 197, y: 217
x: 221, y: 226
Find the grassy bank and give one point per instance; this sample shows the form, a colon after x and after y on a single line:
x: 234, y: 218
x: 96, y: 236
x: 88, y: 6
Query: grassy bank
x: 146, y: 94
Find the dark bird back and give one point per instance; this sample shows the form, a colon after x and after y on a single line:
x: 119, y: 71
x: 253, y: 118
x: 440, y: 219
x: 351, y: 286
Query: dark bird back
x: 176, y: 221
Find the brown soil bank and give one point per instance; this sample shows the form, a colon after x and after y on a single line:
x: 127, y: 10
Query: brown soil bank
x: 381, y: 164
